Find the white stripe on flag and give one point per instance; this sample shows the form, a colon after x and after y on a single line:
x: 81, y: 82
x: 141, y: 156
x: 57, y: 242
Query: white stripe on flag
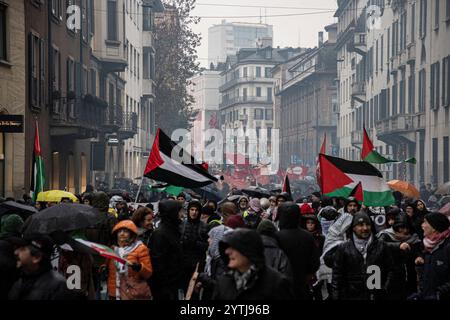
x: 175, y: 167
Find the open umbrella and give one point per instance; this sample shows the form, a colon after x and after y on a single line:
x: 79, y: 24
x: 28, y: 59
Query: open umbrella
x: 406, y: 188
x: 63, y: 217
x: 10, y: 207
x: 55, y: 196
x: 444, y: 189
x: 256, y: 192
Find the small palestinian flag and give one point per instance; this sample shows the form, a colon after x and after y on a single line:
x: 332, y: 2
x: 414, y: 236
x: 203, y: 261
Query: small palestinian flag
x: 369, y: 154
x: 169, y: 163
x: 102, y: 250
x: 37, y: 168
x: 340, y: 178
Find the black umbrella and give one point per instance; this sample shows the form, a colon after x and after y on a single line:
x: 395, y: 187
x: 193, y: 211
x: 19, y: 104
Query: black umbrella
x: 63, y: 217
x: 256, y: 192
x: 12, y: 207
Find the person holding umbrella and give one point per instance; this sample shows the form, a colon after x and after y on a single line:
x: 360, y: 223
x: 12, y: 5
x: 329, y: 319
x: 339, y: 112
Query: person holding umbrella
x: 129, y: 281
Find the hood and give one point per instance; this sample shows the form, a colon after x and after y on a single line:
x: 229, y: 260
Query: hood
x: 235, y: 222
x: 126, y: 224
x: 169, y: 212
x: 307, y: 217
x: 255, y: 205
x: 289, y: 216
x: 217, y: 234
x: 114, y: 200
x: 198, y: 205
x: 247, y: 242
x: 267, y: 228
x: 11, y: 225
x: 100, y: 201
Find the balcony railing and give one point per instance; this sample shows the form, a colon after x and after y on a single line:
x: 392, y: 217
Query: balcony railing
x: 248, y: 99
x: 401, y: 123
x: 129, y: 126
x: 114, y: 117
x: 229, y: 84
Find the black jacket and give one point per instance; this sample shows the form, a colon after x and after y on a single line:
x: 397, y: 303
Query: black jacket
x: 166, y: 252
x: 45, y: 285
x: 404, y: 278
x: 194, y: 239
x: 275, y: 257
x: 436, y: 273
x: 8, y: 271
x: 268, y: 285
x: 299, y: 247
x: 350, y: 271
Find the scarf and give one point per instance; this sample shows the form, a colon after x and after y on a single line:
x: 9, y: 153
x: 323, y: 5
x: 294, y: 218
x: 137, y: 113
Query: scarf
x: 433, y: 241
x: 362, y: 244
x: 243, y: 279
x: 122, y: 269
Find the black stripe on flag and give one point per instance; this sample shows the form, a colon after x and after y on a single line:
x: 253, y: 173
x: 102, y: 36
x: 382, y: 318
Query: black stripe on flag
x: 354, y: 167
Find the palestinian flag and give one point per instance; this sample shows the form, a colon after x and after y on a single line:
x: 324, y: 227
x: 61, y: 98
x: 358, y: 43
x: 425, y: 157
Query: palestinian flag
x: 161, y: 167
x: 102, y: 250
x: 343, y: 178
x: 369, y: 154
x: 37, y: 168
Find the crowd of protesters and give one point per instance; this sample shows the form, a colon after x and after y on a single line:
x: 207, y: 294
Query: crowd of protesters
x: 316, y: 248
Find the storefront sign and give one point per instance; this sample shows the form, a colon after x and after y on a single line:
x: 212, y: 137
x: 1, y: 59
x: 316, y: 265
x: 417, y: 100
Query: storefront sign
x: 11, y: 123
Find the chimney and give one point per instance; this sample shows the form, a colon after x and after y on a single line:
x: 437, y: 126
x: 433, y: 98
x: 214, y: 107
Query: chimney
x: 320, y: 38
x: 332, y: 32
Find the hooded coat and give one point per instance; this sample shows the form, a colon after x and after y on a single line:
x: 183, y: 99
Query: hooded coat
x: 194, y: 240
x: 299, y: 247
x: 266, y: 284
x: 166, y: 252
x: 351, y: 273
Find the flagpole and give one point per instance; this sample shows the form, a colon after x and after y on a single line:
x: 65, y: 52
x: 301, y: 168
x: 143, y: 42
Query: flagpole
x: 139, y: 190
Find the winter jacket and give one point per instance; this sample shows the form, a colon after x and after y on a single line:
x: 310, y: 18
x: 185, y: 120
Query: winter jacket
x: 350, y: 271
x: 166, y: 252
x: 266, y: 284
x: 275, y: 257
x: 194, y: 239
x: 8, y: 271
x: 139, y: 255
x: 43, y: 285
x: 299, y: 247
x: 404, y: 280
x: 436, y: 273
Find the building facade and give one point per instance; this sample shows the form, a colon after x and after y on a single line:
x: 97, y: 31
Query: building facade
x: 247, y: 91
x: 308, y: 103
x: 12, y: 98
x: 396, y: 73
x: 227, y: 38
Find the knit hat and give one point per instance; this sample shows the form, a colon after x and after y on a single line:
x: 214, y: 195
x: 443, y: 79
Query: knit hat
x: 361, y: 217
x: 306, y: 209
x: 267, y: 228
x: 255, y: 205
x: 438, y: 221
x: 10, y: 225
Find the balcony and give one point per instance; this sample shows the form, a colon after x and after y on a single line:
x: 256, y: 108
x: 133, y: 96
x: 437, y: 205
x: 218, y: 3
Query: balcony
x: 400, y: 128
x: 114, y: 118
x: 148, y: 88
x: 229, y: 84
x: 359, y: 91
x: 357, y: 138
x: 411, y: 53
x: 129, y: 126
x: 358, y: 44
x: 78, y: 118
x: 244, y: 100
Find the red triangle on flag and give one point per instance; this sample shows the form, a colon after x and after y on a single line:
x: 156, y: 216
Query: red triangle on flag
x: 331, y: 177
x: 358, y: 193
x: 367, y: 145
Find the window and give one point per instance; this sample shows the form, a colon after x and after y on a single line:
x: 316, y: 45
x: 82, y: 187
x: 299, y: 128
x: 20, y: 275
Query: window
x: 423, y: 18
x: 56, y: 79
x: 259, y: 114
x: 244, y: 94
x: 258, y: 92
x: 245, y: 72
x: 70, y: 74
x: 413, y: 22
x: 112, y: 20
x: 85, y: 80
x: 435, y: 160
x: 446, y: 82
x: 422, y: 90
x: 57, y: 9
x: 402, y: 96
x: 411, y: 93
x: 447, y: 10
x: 37, y: 71
x: 147, y: 21
x: 436, y: 14
x: 446, y: 159
x: 382, y: 53
x: 394, y: 97
x: 267, y: 73
x: 146, y: 62
x: 93, y: 82
x: 269, y: 94
x: 258, y: 72
x: 435, y: 86
x: 269, y: 114
x: 3, y: 51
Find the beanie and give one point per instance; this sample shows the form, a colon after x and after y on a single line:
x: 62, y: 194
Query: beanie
x: 438, y: 221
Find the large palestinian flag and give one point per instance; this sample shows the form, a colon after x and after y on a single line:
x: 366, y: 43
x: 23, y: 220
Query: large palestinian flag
x: 369, y: 154
x: 342, y: 178
x: 162, y: 167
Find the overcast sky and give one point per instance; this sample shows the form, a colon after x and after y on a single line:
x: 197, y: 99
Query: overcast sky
x: 288, y: 30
